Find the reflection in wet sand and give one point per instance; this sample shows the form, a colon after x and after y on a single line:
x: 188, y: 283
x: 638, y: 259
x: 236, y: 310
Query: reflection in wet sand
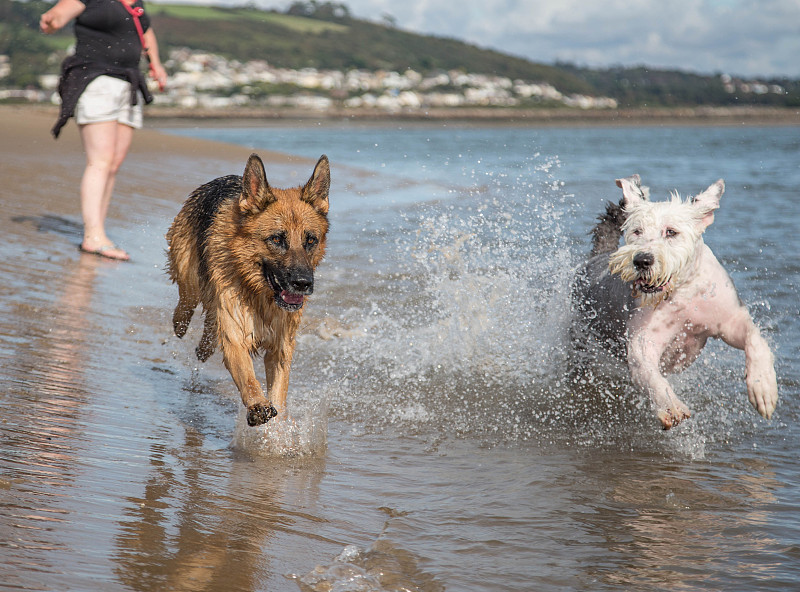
x: 44, y: 405
x: 198, y: 526
x: 654, y: 523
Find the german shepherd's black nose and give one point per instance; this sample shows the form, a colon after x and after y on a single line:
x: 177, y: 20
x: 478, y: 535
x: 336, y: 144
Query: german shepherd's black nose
x: 302, y: 281
x: 642, y: 261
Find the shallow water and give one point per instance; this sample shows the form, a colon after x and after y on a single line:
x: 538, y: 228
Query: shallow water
x: 434, y: 444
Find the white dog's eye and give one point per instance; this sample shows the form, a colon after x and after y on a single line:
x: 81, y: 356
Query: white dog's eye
x: 671, y: 233
x: 636, y: 232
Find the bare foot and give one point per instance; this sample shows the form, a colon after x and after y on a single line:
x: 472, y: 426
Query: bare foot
x: 107, y: 250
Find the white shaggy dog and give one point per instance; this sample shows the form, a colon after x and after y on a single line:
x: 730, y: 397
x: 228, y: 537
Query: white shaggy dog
x: 658, y: 298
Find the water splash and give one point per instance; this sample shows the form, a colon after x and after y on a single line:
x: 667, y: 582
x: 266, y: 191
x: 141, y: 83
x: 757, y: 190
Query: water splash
x: 382, y: 568
x: 466, y: 330
x: 469, y: 327
x: 303, y: 433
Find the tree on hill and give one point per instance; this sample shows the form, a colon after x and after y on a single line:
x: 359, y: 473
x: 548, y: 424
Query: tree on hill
x: 326, y: 11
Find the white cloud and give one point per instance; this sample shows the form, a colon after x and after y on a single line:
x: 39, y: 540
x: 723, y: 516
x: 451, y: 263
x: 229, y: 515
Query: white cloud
x: 746, y: 37
x: 740, y: 37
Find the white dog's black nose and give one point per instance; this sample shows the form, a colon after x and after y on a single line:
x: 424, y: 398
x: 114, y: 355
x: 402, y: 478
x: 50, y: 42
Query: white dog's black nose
x: 643, y: 260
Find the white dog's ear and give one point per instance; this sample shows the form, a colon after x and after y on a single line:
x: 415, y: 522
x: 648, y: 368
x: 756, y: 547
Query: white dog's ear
x: 707, y: 202
x: 632, y: 190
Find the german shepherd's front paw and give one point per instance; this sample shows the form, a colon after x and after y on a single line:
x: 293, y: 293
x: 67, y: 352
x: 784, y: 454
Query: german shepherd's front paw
x: 259, y: 414
x: 181, y: 318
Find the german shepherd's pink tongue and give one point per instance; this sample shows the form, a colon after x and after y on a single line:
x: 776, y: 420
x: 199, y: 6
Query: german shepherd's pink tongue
x: 293, y: 299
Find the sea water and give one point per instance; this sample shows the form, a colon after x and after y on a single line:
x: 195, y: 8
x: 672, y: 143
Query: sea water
x: 436, y: 442
x: 444, y: 306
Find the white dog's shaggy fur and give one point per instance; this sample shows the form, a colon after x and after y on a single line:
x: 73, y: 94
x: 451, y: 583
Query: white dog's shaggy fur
x: 661, y: 295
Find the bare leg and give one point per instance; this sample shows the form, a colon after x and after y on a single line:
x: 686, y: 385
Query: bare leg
x: 106, y: 145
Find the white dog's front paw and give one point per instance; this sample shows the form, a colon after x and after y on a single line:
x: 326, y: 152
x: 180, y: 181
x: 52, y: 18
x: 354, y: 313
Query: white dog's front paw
x: 673, y: 415
x: 762, y: 390
x: 669, y: 409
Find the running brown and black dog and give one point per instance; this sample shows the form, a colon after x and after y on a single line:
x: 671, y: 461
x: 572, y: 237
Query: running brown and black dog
x: 248, y: 251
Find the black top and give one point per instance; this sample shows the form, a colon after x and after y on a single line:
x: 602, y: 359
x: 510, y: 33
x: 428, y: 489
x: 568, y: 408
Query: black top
x: 105, y: 33
x: 107, y: 43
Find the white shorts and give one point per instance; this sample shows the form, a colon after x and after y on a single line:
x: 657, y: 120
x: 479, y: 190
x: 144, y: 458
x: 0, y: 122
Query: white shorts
x: 108, y: 99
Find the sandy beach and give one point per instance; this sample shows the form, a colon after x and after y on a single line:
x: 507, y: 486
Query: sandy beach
x: 48, y: 171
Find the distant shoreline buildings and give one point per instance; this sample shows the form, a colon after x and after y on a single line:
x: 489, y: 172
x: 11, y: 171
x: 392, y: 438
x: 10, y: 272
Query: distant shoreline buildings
x: 199, y: 79
x: 202, y: 80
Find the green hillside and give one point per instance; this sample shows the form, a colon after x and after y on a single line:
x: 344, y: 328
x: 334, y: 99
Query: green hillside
x: 326, y: 36
x: 290, y: 41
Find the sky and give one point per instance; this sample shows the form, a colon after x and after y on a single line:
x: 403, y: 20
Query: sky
x: 750, y: 38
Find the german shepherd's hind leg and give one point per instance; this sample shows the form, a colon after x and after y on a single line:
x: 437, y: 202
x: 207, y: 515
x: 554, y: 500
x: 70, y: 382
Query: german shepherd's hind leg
x: 208, y: 341
x: 187, y: 302
x: 240, y: 365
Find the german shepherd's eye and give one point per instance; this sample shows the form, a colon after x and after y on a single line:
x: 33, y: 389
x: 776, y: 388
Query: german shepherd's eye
x: 277, y: 240
x: 311, y: 241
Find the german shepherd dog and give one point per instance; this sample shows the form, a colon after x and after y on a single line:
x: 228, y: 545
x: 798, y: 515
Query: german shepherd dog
x: 248, y: 251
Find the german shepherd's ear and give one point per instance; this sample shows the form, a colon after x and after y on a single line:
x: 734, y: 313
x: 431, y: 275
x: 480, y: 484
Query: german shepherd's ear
x: 256, y: 192
x: 316, y: 189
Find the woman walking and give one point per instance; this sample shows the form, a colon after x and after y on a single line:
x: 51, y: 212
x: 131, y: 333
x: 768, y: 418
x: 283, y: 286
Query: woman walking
x: 102, y: 87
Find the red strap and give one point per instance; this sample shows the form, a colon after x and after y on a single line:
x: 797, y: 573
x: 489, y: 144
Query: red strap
x: 136, y: 12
